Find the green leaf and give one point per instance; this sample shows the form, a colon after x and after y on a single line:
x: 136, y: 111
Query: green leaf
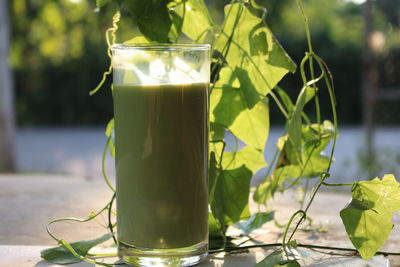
x: 217, y: 148
x: 216, y: 237
x: 310, y: 93
x: 110, y: 128
x: 252, y: 158
x: 213, y: 177
x: 383, y: 194
x: 235, y: 104
x: 366, y: 228
x: 110, y: 133
x: 252, y: 126
x: 214, y: 229
x: 313, y: 164
x: 137, y: 40
x: 317, y: 137
x: 194, y: 17
x: 152, y: 18
x: 61, y: 255
x: 264, y: 191
x: 314, y: 139
x: 288, y: 155
x: 256, y: 221
x: 231, y: 195
x: 291, y: 264
x: 280, y: 258
x: 232, y: 94
x: 295, y: 122
x: 253, y: 48
x: 313, y: 168
x: 292, y: 243
x: 295, y: 125
x: 368, y: 216
x: 217, y: 132
x: 287, y: 102
x: 255, y: 64
x: 101, y: 3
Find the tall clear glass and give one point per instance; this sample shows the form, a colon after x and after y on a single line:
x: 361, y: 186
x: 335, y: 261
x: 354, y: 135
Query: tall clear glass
x: 161, y: 136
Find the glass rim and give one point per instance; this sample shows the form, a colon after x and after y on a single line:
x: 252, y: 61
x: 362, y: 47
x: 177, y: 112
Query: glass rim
x: 161, y: 47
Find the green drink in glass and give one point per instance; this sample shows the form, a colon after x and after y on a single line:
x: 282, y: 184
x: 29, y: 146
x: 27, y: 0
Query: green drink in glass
x: 161, y: 126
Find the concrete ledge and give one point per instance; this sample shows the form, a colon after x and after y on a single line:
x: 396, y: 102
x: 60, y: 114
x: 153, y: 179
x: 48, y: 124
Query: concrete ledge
x: 28, y: 202
x: 28, y: 256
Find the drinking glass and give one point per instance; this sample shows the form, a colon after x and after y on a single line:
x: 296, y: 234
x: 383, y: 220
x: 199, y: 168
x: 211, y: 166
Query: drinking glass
x: 160, y: 97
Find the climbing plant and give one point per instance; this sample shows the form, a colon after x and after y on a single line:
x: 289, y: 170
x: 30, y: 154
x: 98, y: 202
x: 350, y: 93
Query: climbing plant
x: 247, y: 64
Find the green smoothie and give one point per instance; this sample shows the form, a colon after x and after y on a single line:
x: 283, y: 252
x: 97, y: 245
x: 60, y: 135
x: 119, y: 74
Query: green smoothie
x: 161, y: 164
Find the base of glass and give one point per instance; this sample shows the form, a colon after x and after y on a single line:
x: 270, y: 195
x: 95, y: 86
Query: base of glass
x: 186, y: 256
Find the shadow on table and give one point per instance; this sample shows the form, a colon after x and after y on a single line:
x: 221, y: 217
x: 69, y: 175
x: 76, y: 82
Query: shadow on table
x: 44, y: 263
x: 238, y: 260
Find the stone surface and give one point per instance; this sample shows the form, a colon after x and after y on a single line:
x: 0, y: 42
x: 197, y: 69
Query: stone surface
x: 28, y: 256
x: 28, y: 202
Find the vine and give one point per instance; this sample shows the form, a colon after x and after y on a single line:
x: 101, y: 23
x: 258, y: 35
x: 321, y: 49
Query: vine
x: 244, y: 68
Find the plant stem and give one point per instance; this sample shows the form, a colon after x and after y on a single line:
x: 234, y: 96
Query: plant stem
x: 110, y: 31
x: 103, y: 163
x: 110, y: 225
x: 303, y: 215
x: 279, y: 104
x: 328, y: 184
x: 230, y: 249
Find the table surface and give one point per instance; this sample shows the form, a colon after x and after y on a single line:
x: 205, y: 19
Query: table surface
x: 30, y: 201
x: 28, y: 256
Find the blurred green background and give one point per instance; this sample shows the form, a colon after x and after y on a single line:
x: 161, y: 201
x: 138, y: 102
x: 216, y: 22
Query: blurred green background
x: 58, y: 54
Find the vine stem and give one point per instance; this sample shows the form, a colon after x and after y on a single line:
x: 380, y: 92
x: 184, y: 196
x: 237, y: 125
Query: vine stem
x: 303, y: 215
x: 311, y: 64
x: 110, y: 225
x: 324, y: 175
x: 279, y: 104
x: 329, y: 83
x: 103, y: 163
x: 231, y: 249
x: 328, y: 184
x: 68, y: 246
x: 109, y: 32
